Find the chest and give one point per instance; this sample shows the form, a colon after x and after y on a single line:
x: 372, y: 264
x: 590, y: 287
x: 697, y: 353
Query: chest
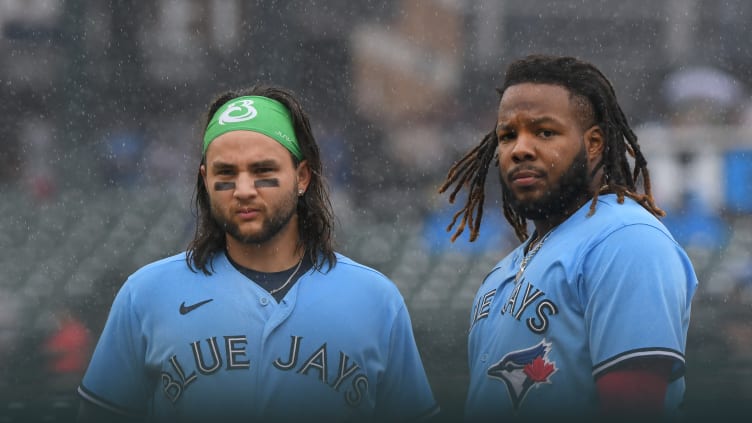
x: 258, y: 349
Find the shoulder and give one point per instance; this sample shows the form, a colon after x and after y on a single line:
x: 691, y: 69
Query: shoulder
x: 173, y: 265
x: 163, y: 275
x: 615, y: 229
x: 168, y: 263
x: 347, y: 265
x: 634, y: 235
x: 350, y: 274
x: 614, y: 220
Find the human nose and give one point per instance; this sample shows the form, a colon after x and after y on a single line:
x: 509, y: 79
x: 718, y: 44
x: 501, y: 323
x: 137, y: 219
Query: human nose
x: 245, y: 186
x: 523, y: 148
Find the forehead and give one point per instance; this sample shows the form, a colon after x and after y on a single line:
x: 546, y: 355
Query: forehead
x: 241, y: 146
x: 536, y: 100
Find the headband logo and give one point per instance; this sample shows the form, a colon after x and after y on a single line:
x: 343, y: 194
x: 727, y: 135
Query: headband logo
x: 230, y: 115
x: 285, y: 136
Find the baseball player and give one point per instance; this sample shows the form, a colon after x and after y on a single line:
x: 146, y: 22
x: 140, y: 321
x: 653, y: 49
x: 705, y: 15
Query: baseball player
x: 260, y: 319
x: 589, y: 316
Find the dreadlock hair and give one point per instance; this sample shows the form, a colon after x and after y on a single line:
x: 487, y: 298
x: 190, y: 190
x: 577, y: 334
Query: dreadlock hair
x: 583, y: 80
x: 314, y: 208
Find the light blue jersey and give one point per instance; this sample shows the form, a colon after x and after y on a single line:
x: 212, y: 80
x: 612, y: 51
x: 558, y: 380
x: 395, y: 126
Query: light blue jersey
x: 601, y: 290
x: 183, y: 346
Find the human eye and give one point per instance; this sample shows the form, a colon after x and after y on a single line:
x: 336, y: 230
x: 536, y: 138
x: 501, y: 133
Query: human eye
x: 505, y: 136
x: 546, y: 133
x: 264, y: 168
x: 224, y: 171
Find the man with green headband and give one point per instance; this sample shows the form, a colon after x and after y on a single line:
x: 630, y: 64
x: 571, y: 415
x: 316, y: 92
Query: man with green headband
x: 260, y: 319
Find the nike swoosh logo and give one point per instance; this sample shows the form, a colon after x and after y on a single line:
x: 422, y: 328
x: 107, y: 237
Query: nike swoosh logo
x: 187, y: 309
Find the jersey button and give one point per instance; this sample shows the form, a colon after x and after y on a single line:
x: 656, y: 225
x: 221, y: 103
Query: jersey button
x: 483, y: 358
x: 264, y: 301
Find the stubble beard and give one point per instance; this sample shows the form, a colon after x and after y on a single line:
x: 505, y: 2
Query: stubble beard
x: 270, y: 226
x: 565, y: 197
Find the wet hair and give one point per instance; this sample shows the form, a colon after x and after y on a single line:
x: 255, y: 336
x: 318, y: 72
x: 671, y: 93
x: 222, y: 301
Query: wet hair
x: 314, y: 209
x: 588, y: 87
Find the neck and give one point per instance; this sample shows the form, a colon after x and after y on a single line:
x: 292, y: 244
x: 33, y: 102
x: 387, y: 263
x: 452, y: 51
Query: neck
x: 543, y: 226
x: 281, y: 252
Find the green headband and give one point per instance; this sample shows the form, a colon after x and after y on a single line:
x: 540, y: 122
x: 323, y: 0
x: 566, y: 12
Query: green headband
x: 257, y: 114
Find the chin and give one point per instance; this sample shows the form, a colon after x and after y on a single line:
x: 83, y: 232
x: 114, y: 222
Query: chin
x: 528, y: 200
x: 537, y: 208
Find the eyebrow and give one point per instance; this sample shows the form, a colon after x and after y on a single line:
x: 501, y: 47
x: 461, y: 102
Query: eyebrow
x: 264, y: 164
x: 544, y: 119
x: 222, y: 165
x: 534, y: 121
x: 254, y: 166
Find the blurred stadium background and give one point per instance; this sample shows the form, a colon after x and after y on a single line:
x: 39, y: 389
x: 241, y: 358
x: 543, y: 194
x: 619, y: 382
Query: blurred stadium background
x: 101, y: 114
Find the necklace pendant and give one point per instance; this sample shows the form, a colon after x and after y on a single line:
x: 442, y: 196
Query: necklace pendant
x: 518, y: 276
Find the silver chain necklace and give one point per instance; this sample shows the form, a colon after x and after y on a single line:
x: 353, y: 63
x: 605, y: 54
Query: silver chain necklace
x: 530, y: 254
x: 281, y: 287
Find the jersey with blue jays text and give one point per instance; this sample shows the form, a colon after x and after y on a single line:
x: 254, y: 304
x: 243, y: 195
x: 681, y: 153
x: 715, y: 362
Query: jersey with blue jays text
x: 600, y: 291
x: 183, y: 346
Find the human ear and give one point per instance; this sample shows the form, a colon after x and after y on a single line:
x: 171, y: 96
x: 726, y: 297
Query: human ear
x: 202, y: 170
x: 594, y: 143
x: 304, y: 176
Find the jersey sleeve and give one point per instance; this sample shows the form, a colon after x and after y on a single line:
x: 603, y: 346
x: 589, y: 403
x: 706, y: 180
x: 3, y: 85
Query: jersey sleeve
x: 116, y: 378
x: 404, y: 392
x: 637, y: 288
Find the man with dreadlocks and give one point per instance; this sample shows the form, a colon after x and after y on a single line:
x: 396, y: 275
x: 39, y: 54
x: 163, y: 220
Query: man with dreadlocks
x: 589, y: 315
x: 260, y: 319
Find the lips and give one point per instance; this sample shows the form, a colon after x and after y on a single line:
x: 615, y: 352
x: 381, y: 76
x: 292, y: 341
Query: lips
x: 524, y: 177
x: 247, y: 212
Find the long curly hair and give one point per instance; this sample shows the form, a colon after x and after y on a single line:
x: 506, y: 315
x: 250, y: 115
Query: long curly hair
x: 581, y: 79
x: 314, y: 208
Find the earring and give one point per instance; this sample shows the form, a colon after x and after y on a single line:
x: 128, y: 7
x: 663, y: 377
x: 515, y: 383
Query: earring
x: 300, y: 193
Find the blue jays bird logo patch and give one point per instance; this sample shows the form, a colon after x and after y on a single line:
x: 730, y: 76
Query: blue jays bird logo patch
x: 523, y: 369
